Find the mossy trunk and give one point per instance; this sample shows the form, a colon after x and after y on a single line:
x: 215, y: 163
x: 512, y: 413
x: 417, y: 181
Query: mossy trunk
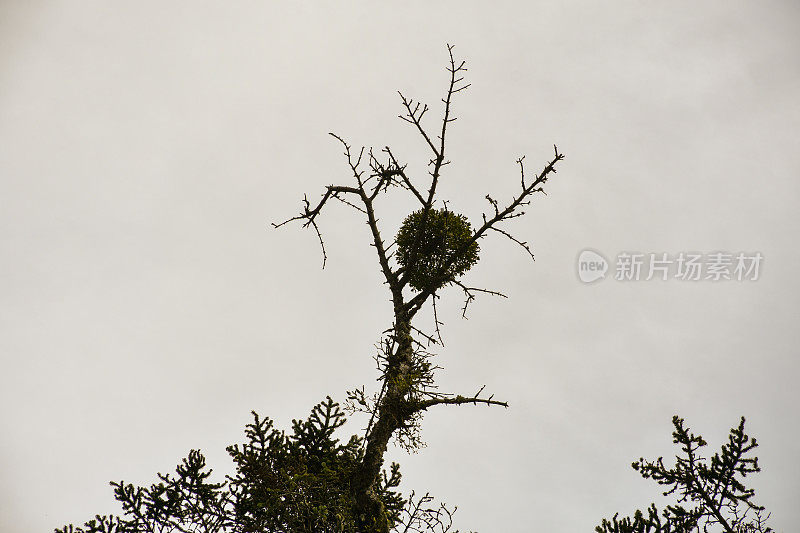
x: 392, y: 412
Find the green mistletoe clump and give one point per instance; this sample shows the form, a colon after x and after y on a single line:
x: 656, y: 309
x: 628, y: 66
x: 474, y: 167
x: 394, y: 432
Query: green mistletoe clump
x: 440, y: 253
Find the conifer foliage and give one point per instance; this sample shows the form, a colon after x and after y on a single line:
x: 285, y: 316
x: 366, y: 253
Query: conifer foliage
x: 714, y: 489
x: 297, y: 482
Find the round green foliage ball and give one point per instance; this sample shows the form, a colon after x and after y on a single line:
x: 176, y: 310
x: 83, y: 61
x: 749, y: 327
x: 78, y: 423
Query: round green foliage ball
x: 445, y: 234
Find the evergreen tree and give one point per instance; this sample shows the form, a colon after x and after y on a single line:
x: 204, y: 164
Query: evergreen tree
x: 714, y: 489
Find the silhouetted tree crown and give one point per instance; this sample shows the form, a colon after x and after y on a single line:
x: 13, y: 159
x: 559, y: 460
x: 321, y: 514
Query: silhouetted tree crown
x: 713, y: 488
x: 308, y: 480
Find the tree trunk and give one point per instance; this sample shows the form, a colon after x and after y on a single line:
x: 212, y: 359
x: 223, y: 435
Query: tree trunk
x: 392, y: 414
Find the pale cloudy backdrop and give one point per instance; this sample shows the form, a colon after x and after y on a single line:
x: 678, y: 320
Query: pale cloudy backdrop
x: 146, y: 306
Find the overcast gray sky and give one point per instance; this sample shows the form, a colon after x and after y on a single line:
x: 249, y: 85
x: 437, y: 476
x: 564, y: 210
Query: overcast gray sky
x: 147, y: 306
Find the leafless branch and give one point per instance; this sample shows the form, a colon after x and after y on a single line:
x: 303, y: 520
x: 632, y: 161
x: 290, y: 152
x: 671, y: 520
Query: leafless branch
x: 421, y: 516
x: 436, y: 321
x: 523, y: 244
x: 470, y: 297
x: 354, y: 206
x: 458, y: 400
x: 430, y: 338
x: 402, y: 173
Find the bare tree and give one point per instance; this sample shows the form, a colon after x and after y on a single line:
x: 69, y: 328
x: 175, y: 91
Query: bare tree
x: 433, y: 249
